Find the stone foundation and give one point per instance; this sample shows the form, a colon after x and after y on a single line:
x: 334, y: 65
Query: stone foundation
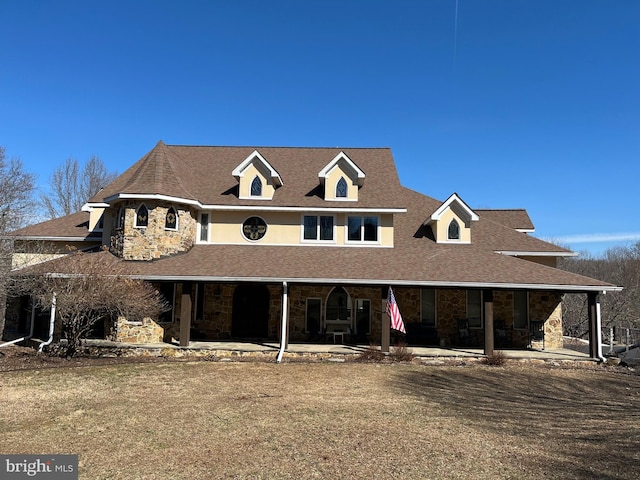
x: 146, y: 331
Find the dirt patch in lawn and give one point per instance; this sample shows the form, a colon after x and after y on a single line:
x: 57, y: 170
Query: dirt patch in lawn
x: 170, y: 419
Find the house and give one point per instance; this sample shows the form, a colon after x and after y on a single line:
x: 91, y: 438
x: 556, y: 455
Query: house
x: 297, y: 243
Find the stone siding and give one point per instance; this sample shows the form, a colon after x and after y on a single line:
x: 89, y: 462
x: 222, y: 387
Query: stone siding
x: 146, y: 331
x: 153, y: 241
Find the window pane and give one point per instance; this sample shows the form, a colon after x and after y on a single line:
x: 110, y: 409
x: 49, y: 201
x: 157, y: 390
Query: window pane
x: 256, y: 187
x: 142, y: 217
x: 354, y: 226
x: 171, y: 220
x: 371, y: 229
x: 474, y: 308
x: 520, y: 310
x: 313, y: 315
x: 326, y: 228
x: 429, y: 306
x: 310, y: 227
x: 341, y: 188
x: 204, y: 227
x: 454, y: 230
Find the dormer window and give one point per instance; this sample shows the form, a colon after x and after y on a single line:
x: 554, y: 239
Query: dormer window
x: 171, y: 220
x: 142, y: 217
x: 341, y: 188
x: 256, y: 187
x: 454, y: 230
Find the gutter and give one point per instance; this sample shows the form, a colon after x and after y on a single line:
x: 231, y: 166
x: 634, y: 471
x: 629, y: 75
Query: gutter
x: 283, y: 326
x: 52, y: 320
x: 599, y: 355
x: 26, y: 337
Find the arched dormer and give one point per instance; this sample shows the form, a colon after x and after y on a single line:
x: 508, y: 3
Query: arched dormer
x: 451, y: 222
x: 258, y: 180
x: 341, y: 179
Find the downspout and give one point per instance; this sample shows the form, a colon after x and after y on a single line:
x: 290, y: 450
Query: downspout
x: 283, y: 326
x: 52, y: 321
x: 27, y: 337
x: 599, y: 332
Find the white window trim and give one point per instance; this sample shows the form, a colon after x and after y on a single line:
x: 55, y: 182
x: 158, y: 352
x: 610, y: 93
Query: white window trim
x: 317, y: 239
x: 177, y: 220
x: 135, y: 220
x: 362, y: 241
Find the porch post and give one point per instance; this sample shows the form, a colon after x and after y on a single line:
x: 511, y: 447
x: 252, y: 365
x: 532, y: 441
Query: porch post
x: 185, y: 315
x: 385, y: 341
x: 488, y: 322
x: 594, y: 325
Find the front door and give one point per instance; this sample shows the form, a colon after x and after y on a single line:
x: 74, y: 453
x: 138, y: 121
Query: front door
x: 250, y: 318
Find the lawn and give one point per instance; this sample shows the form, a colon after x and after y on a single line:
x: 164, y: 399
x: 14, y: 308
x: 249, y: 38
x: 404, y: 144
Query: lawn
x: 200, y: 420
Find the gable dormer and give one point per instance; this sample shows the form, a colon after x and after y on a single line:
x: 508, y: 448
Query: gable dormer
x: 258, y: 179
x: 451, y: 222
x: 341, y: 179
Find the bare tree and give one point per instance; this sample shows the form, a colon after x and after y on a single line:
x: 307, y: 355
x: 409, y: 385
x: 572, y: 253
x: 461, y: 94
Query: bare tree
x: 85, y: 294
x: 72, y: 185
x: 620, y: 266
x: 16, y: 210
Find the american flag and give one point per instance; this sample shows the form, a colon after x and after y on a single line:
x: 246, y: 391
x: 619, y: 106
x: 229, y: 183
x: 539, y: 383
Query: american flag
x: 394, y: 313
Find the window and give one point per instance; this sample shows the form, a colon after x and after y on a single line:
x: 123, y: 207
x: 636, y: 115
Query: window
x: 341, y: 188
x: 171, y: 220
x: 168, y: 292
x: 474, y: 308
x: 120, y: 218
x: 428, y: 306
x: 362, y: 229
x: 318, y: 227
x: 204, y: 227
x: 199, y: 303
x: 313, y: 316
x: 520, y: 310
x: 338, y: 305
x: 454, y: 230
x: 363, y: 316
x: 254, y: 228
x: 256, y: 187
x: 142, y: 217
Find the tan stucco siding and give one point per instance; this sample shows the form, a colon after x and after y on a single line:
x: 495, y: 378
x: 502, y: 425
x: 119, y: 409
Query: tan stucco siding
x: 442, y: 228
x: 247, y: 178
x: 548, y: 261
x: 331, y: 181
x: 94, y: 218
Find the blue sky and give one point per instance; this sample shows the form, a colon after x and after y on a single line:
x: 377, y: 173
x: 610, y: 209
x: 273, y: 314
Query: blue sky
x: 510, y: 103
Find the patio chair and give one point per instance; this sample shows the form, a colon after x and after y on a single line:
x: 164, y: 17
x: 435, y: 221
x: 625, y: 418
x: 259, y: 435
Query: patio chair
x: 536, y: 333
x: 464, y: 336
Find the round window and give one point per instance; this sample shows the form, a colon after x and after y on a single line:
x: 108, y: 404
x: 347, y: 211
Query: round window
x: 254, y: 228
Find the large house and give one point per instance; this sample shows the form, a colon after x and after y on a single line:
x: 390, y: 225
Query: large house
x: 295, y: 244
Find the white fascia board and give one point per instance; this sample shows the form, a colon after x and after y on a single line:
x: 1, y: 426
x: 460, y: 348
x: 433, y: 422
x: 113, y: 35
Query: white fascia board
x: 89, y: 206
x: 151, y: 196
x: 240, y: 169
x: 515, y: 253
x: 382, y: 282
x: 331, y: 165
x: 525, y: 230
x: 204, y: 206
x: 454, y: 198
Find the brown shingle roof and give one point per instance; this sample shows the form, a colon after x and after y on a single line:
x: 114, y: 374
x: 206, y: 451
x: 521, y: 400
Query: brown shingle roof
x: 514, y: 218
x: 74, y: 226
x: 203, y: 174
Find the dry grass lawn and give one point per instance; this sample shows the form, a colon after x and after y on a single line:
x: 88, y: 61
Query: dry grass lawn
x: 201, y: 420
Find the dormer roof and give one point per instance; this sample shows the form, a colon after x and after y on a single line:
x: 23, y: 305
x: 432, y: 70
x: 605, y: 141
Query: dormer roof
x: 256, y: 158
x: 343, y: 161
x: 461, y: 208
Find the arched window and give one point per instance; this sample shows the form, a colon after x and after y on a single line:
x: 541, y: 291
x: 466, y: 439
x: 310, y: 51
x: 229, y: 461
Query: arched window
x: 341, y: 188
x: 338, y: 305
x: 454, y: 230
x: 256, y: 187
x: 120, y: 218
x: 171, y: 220
x: 142, y: 216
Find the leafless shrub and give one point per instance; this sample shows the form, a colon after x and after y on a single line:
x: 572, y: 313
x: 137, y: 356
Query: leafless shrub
x: 495, y: 359
x: 401, y: 353
x: 372, y: 354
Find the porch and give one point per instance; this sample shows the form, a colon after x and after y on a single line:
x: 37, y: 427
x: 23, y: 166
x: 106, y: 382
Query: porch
x: 338, y: 352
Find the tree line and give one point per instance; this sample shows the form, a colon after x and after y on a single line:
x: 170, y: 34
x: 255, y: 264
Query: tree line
x: 619, y: 266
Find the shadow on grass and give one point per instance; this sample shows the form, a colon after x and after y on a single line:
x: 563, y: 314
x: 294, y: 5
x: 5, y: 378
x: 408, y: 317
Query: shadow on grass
x: 583, y: 425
